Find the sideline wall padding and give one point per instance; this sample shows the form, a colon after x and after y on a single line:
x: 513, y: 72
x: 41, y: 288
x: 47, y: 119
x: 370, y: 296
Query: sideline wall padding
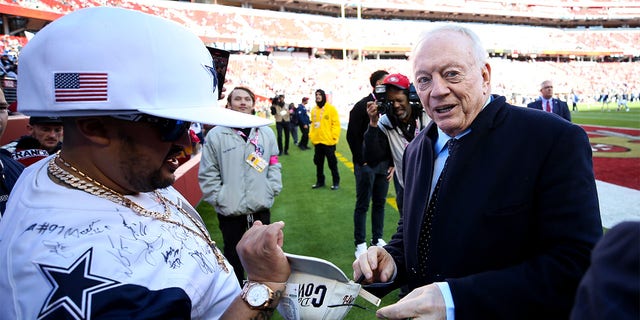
x: 187, y: 180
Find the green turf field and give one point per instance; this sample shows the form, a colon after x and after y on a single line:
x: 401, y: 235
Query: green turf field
x: 595, y: 114
x: 319, y: 223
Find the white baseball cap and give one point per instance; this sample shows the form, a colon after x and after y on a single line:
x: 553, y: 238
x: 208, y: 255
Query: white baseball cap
x: 113, y: 61
x: 317, y: 289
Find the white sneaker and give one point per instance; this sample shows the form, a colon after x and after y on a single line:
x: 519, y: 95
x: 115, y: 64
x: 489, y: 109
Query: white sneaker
x: 360, y: 249
x: 381, y: 243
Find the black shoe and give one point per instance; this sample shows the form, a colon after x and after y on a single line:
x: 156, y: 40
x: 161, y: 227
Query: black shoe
x: 335, y: 187
x: 317, y: 185
x: 286, y: 153
x: 279, y: 153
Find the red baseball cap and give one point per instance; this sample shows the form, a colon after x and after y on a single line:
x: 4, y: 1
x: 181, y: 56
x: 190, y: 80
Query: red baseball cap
x: 397, y: 80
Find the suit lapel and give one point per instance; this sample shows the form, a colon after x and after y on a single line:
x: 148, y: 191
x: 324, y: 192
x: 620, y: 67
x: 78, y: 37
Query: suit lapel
x: 488, y: 119
x: 419, y: 157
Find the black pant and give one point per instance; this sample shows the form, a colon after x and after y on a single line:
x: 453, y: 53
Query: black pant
x: 294, y: 132
x: 371, y: 186
x: 304, y: 139
x: 322, y: 151
x: 280, y: 126
x: 232, y: 229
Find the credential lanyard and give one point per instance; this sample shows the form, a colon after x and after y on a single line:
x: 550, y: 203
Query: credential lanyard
x: 254, y: 141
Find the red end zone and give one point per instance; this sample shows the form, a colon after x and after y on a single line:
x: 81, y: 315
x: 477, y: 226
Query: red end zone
x: 616, y: 155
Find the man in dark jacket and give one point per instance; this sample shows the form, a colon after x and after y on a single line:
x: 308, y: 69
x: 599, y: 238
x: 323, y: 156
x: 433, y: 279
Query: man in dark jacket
x: 43, y: 139
x: 10, y: 169
x: 293, y: 122
x: 371, y: 171
x: 548, y: 103
x: 488, y: 230
x: 303, y: 123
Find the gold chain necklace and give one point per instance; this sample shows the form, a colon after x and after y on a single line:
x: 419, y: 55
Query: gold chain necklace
x: 91, y: 186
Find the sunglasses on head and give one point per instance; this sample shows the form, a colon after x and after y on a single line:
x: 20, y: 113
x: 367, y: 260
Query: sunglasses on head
x: 171, y: 129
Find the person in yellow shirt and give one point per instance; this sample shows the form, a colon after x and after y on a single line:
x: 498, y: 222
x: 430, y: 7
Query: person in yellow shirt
x: 324, y: 133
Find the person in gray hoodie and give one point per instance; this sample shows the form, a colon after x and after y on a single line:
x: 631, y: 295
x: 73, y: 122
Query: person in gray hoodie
x: 240, y: 175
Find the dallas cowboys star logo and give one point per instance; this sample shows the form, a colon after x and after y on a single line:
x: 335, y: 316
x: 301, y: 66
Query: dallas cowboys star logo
x: 214, y: 73
x: 73, y: 287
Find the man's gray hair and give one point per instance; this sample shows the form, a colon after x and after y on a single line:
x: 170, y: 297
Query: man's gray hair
x: 479, y: 52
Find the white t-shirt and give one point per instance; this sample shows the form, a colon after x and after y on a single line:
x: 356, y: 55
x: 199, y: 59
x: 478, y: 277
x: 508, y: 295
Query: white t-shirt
x: 65, y: 253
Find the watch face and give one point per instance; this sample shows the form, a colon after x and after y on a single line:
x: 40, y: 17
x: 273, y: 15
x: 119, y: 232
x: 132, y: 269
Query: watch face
x: 257, y: 295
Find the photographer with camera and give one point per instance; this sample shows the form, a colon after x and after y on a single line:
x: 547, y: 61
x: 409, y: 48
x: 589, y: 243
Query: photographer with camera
x: 372, y: 171
x: 281, y: 114
x: 395, y: 118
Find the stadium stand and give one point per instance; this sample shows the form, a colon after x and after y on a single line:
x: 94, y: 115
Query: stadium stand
x: 217, y: 23
x: 277, y: 50
x: 608, y: 13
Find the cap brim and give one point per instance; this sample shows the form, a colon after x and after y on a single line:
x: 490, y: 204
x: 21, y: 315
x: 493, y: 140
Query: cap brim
x: 315, y: 266
x: 397, y: 86
x: 212, y: 115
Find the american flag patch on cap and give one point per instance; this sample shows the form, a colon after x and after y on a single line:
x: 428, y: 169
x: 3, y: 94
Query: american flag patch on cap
x: 80, y: 87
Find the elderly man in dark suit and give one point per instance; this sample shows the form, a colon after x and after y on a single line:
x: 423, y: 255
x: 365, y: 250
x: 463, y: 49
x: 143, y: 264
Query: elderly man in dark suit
x: 498, y: 224
x: 547, y: 103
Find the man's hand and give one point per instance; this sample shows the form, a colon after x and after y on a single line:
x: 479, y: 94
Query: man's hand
x: 376, y: 265
x: 390, y: 172
x: 222, y: 93
x: 424, y: 303
x: 372, y: 110
x: 260, y: 251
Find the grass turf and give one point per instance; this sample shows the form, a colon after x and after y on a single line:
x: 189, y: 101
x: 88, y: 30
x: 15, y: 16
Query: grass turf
x: 319, y: 222
x: 590, y: 113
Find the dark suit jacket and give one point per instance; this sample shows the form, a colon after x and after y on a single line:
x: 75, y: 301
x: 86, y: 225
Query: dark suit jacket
x: 516, y: 220
x: 10, y: 171
x: 559, y: 107
x: 611, y: 287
